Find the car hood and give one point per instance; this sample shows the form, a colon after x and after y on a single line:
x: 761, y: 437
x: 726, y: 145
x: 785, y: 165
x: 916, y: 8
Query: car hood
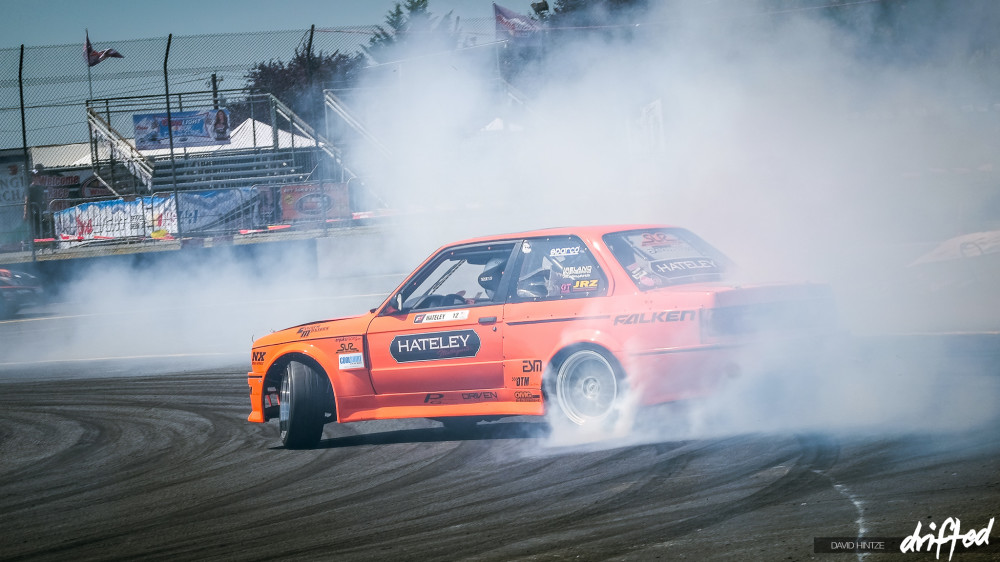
x: 351, y: 326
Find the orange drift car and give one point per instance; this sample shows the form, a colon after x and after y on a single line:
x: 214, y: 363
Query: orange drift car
x: 564, y: 320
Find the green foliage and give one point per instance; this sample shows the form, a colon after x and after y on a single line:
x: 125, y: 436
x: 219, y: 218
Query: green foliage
x: 299, y: 83
x: 411, y: 28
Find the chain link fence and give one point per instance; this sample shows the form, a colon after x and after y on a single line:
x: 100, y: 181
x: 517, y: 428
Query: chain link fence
x: 79, y: 125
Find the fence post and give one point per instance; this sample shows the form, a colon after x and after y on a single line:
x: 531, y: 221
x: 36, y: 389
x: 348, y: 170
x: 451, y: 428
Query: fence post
x: 170, y: 137
x: 24, y: 149
x: 274, y: 122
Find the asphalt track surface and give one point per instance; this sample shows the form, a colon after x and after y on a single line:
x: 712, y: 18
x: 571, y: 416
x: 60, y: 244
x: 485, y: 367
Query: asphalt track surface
x: 151, y: 458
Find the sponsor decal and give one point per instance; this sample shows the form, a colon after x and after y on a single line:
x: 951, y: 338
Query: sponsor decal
x: 655, y: 239
x: 655, y: 317
x: 488, y: 395
x: 434, y: 346
x: 347, y: 347
x: 526, y: 247
x: 351, y: 361
x: 258, y: 356
x: 440, y: 398
x: 577, y: 272
x: 526, y: 396
x: 670, y: 268
x: 304, y: 331
x: 531, y: 366
x: 585, y: 285
x: 446, y: 316
x: 520, y: 381
x: 570, y: 251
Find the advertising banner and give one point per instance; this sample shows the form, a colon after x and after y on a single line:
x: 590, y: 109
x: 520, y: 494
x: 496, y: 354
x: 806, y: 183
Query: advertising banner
x: 219, y: 210
x: 144, y: 217
x: 312, y: 201
x: 156, y: 216
x: 190, y: 128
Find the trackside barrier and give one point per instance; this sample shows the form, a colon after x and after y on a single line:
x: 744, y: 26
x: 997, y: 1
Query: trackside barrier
x: 307, y: 207
x: 216, y: 212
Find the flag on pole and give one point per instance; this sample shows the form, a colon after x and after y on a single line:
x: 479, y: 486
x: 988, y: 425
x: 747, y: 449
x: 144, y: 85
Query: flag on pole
x: 93, y: 57
x: 512, y: 24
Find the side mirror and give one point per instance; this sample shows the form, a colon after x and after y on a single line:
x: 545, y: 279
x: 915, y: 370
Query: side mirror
x: 395, y: 305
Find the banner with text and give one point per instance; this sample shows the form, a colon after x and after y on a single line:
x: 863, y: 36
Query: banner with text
x: 190, y: 128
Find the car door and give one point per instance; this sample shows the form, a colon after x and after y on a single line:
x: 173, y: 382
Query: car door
x: 556, y: 291
x: 448, y: 334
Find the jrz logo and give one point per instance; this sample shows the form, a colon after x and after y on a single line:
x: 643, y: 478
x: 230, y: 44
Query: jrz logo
x: 531, y: 365
x: 585, y: 285
x: 258, y: 356
x: 304, y: 331
x: 520, y: 381
x: 346, y: 347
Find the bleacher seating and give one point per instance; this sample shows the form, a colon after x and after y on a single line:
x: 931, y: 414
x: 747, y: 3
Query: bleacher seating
x: 229, y: 169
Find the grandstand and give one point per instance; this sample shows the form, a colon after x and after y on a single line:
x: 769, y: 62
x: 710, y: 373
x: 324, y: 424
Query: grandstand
x: 92, y: 180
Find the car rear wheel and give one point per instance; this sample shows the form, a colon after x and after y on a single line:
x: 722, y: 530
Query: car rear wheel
x: 587, y: 388
x: 301, y: 406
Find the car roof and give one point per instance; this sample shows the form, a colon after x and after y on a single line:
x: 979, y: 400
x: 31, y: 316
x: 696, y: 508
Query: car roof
x: 589, y: 232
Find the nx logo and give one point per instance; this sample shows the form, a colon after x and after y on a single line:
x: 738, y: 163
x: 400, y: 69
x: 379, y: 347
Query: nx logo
x: 258, y: 356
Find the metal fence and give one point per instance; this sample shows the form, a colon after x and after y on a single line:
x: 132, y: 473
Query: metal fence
x: 61, y: 119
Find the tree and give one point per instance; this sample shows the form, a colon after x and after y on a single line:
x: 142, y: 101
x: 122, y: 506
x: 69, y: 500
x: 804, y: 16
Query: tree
x: 299, y: 83
x: 411, y: 30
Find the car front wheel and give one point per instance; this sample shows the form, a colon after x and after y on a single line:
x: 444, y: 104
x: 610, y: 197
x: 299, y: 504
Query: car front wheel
x: 301, y: 406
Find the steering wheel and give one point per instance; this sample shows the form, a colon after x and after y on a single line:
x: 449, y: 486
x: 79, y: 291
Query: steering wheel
x: 434, y: 301
x: 452, y: 299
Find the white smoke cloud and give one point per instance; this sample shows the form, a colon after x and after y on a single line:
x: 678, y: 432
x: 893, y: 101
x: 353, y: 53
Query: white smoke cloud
x: 797, y: 148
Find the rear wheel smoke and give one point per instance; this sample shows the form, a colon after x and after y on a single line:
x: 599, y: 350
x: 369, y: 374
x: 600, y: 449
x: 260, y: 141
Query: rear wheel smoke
x: 586, y: 388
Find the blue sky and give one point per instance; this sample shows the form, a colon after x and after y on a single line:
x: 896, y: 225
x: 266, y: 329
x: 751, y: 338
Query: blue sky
x: 57, y: 22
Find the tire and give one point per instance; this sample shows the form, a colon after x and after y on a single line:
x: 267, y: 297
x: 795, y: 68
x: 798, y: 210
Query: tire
x: 586, y: 388
x: 301, y: 410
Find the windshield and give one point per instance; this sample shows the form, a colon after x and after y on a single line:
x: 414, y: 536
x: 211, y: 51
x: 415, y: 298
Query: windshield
x: 668, y: 256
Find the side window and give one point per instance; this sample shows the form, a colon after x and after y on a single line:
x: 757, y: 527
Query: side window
x: 558, y: 268
x: 466, y: 276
